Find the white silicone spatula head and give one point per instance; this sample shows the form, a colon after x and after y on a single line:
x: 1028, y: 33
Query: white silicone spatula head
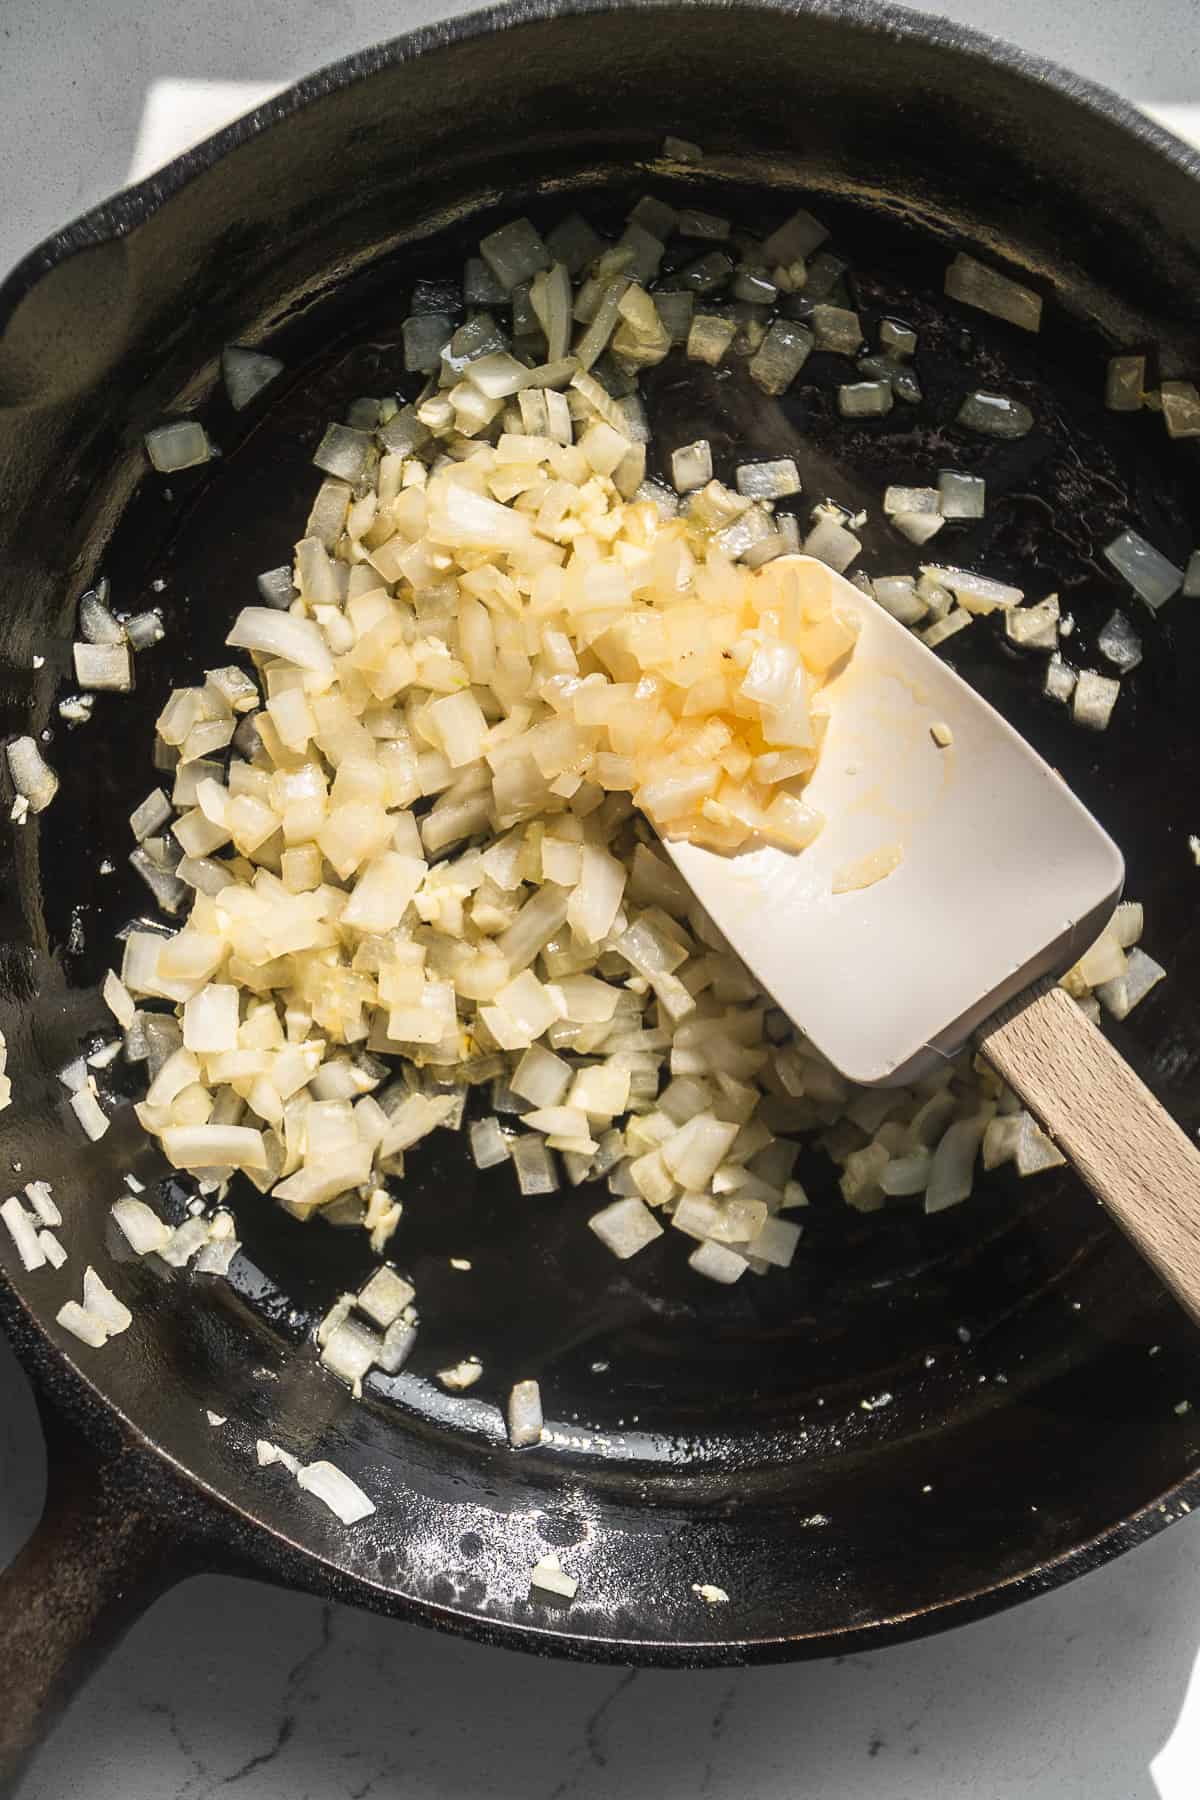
x: 1001, y: 875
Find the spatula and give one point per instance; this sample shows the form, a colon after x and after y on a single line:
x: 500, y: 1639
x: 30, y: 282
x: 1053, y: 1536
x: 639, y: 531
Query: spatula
x: 999, y: 880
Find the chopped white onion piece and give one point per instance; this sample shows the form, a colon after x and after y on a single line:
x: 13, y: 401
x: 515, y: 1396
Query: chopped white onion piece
x: 625, y: 1227
x: 718, y: 1263
x: 1059, y: 680
x: 534, y: 1165
x: 214, y: 1147
x: 41, y: 1198
x: 76, y: 709
x: 102, y: 1304
x: 995, y: 415
x: 350, y: 1351
x: 1034, y: 627
x: 246, y: 373
x: 897, y: 594
x: 1148, y: 572
x: 1180, y: 408
x: 344, y: 453
x: 89, y: 1112
x: 837, y: 328
x: 385, y: 1297
x: 462, y: 1375
x: 514, y: 253
x: 144, y: 630
x: 489, y: 1145
x: 52, y: 1249
x: 691, y: 466
x: 951, y: 1173
x: 268, y: 1454
x: 775, y: 1242
x: 830, y: 542
x: 24, y: 1233
x: 524, y: 1414
x: 275, y: 587
x: 1093, y: 700
x: 1120, y: 995
x: 865, y: 399
x: 780, y: 357
x: 140, y: 1225
x: 103, y: 667
x: 975, y: 284
x: 32, y: 776
x: 181, y: 445
x: 82, y: 1324
x: 1119, y: 644
x: 947, y: 627
x: 150, y: 817
x: 977, y: 593
x: 911, y: 500
x: 97, y: 625
x: 918, y: 527
x: 962, y: 496
x: 336, y: 1490
x: 548, y: 1577
x: 281, y: 635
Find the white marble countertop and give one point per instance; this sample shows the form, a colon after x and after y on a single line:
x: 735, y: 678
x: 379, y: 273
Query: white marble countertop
x: 228, y: 1687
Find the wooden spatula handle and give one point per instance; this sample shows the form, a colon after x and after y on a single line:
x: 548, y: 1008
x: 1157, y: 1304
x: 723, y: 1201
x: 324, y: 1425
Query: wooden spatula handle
x: 1128, y: 1149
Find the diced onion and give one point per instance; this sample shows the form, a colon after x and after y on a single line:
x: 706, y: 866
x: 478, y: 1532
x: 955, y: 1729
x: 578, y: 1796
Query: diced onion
x: 1093, y: 699
x: 962, y: 496
x: 140, y: 1225
x: 419, y: 832
x: 214, y: 1147
x: 278, y: 634
x: 995, y: 415
x: 1148, y: 572
x: 52, y: 1249
x: 548, y: 1577
x: 32, y: 776
x: 41, y: 1198
x: 1180, y: 408
x: 625, y: 1227
x: 524, y: 1414
x: 89, y: 1112
x: 178, y: 446
x: 246, y: 373
x: 1119, y: 644
x: 461, y: 1375
x: 977, y: 593
x: 718, y: 1263
x: 103, y: 1304
x: 385, y: 1297
x: 24, y: 1233
x: 104, y: 667
x: 864, y: 399
x: 336, y: 1490
x: 82, y: 1324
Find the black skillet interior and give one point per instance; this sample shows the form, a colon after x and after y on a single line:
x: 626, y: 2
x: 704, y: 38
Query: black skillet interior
x: 920, y: 1415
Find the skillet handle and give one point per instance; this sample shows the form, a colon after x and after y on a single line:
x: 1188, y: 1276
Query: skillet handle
x: 1126, y: 1146
x: 95, y: 1561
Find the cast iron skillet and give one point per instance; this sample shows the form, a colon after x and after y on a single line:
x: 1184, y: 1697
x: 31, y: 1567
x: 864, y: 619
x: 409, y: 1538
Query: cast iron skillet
x: 926, y: 1420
